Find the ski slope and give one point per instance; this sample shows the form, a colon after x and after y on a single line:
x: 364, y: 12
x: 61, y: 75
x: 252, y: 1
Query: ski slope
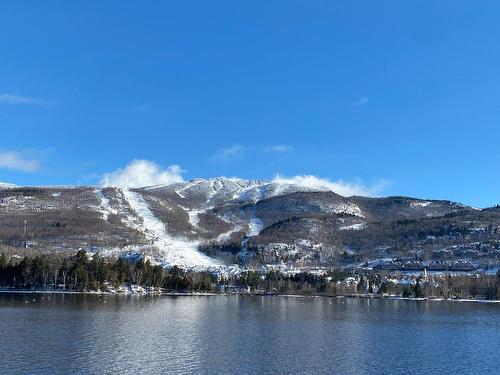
x: 105, y: 206
x: 174, y: 251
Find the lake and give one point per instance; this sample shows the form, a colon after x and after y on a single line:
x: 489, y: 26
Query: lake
x: 88, y: 334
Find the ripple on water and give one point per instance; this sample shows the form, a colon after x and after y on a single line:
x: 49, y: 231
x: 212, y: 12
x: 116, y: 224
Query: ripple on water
x: 228, y: 335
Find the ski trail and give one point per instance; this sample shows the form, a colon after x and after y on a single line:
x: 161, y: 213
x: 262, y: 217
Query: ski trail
x: 104, y: 207
x: 186, y: 187
x: 227, y: 235
x: 255, y: 225
x: 174, y: 251
x: 193, y: 218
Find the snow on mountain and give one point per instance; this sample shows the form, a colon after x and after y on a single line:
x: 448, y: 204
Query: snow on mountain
x: 255, y: 226
x: 6, y: 185
x: 227, y: 235
x: 174, y: 251
x: 216, y: 191
x: 357, y: 226
x: 230, y: 219
x: 228, y: 198
x: 193, y: 217
x: 104, y: 207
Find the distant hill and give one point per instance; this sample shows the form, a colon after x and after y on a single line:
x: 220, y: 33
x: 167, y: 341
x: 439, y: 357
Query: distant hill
x: 211, y: 222
x: 6, y: 185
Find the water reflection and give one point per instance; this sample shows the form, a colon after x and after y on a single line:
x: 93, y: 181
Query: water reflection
x: 228, y: 335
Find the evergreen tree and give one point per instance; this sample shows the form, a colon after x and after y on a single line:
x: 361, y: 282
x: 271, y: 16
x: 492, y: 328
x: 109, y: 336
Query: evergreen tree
x: 417, y: 290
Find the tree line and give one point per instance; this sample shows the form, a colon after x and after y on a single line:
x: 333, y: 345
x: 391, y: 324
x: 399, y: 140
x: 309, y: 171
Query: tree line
x: 81, y: 272
x: 50, y: 272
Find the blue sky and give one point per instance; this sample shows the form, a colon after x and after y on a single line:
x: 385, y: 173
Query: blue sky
x: 394, y: 97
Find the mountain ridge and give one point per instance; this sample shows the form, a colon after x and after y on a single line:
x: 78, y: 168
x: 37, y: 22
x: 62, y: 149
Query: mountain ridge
x: 228, y: 220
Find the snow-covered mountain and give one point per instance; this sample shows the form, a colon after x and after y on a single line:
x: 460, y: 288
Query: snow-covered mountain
x: 215, y: 191
x: 4, y: 185
x: 211, y: 222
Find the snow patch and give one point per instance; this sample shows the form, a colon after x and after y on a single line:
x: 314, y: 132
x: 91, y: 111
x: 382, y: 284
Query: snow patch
x: 357, y: 226
x: 420, y: 204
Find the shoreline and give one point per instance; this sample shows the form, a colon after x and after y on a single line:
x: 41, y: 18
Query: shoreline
x: 209, y: 294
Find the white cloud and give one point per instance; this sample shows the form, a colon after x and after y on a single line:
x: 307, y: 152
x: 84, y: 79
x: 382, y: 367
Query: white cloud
x: 17, y: 162
x: 279, y: 149
x: 142, y: 173
x: 341, y: 187
x: 13, y: 99
x: 225, y: 154
x: 362, y: 101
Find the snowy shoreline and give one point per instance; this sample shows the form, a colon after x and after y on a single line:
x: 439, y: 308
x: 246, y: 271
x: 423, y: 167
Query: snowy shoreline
x: 101, y: 293
x: 208, y: 294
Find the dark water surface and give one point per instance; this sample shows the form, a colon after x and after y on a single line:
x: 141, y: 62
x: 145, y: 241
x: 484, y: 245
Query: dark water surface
x: 71, y: 334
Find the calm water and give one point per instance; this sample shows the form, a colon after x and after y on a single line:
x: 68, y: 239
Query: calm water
x: 245, y: 335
